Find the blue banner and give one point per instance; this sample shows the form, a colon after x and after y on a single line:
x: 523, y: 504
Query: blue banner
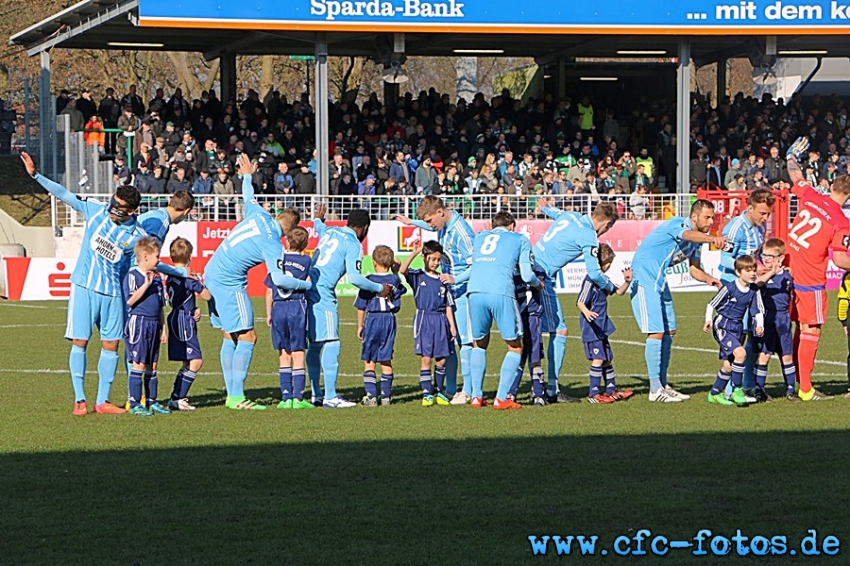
x: 469, y: 16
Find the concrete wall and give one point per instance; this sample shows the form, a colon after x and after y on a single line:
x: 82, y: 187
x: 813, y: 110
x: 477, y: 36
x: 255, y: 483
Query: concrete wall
x: 38, y: 241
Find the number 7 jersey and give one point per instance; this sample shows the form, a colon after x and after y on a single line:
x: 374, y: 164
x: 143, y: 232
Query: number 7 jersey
x: 820, y: 226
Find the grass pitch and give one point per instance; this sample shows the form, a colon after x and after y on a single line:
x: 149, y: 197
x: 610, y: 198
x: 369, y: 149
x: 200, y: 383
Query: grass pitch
x: 406, y: 484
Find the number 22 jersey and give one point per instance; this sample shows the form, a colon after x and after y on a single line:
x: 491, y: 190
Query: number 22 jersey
x: 820, y: 226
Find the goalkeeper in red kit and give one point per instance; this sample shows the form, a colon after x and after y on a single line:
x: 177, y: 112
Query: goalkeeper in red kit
x: 818, y: 227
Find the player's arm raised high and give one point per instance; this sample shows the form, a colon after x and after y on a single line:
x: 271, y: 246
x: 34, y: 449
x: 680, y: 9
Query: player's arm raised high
x: 54, y: 189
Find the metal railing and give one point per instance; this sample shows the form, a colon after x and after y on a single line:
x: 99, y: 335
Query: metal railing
x: 221, y: 208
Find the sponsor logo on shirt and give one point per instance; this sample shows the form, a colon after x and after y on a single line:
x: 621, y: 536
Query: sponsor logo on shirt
x: 106, y: 249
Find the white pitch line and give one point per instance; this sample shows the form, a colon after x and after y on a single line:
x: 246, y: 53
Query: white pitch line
x: 21, y: 305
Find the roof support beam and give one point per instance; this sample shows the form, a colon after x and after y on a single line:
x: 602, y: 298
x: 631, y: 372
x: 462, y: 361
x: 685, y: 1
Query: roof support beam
x: 553, y: 56
x: 105, y: 15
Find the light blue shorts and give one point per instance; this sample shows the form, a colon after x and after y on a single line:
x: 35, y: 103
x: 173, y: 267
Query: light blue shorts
x: 230, y: 309
x: 463, y: 322
x: 485, y: 308
x: 87, y: 309
x: 322, y: 324
x: 653, y: 310
x: 553, y: 314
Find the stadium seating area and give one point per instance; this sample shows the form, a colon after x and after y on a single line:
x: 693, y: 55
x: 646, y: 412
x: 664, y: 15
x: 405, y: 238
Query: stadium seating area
x: 482, y: 155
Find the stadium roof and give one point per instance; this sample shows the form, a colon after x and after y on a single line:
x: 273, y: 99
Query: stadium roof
x: 113, y: 24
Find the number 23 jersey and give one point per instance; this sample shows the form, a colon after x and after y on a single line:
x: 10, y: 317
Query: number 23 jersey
x: 820, y: 226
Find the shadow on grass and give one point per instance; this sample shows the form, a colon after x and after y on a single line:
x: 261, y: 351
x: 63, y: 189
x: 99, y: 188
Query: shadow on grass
x: 417, y: 502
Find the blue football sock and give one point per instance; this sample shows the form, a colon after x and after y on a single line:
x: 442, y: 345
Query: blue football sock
x: 610, y: 377
x: 514, y: 389
x: 330, y: 367
x: 227, y: 350
x: 465, y: 368
x: 77, y: 363
x: 440, y: 378
x: 241, y: 362
x: 386, y: 385
x: 298, y: 383
x: 285, y: 376
x: 186, y: 382
x: 720, y: 382
x: 451, y: 371
x: 595, y: 380
x: 737, y: 374
x: 537, y: 389
x: 557, y: 347
x: 653, y: 363
x: 425, y: 381
x: 750, y: 362
x: 507, y: 374
x: 178, y: 380
x: 369, y: 383
x: 478, y: 366
x: 106, y: 368
x: 789, y: 372
x: 761, y: 375
x: 314, y: 367
x: 151, y: 387
x: 666, y: 347
x: 135, y: 386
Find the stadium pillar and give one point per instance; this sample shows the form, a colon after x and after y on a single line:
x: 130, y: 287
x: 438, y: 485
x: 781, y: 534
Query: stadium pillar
x: 561, y: 73
x: 227, y: 67
x: 683, y: 115
x: 721, y: 81
x: 322, y: 118
x: 45, y: 103
x: 391, y: 92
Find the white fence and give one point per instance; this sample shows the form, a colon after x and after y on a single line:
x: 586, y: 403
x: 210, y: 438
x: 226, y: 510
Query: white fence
x: 385, y: 207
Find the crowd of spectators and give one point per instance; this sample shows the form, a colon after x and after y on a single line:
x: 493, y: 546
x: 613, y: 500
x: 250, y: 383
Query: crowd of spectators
x: 741, y: 144
x: 481, y: 156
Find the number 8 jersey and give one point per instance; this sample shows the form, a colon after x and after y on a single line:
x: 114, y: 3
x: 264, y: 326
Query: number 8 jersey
x: 820, y: 225
x: 496, y: 254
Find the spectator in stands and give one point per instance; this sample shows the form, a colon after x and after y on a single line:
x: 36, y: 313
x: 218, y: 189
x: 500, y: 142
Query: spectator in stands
x: 777, y: 170
x: 128, y: 122
x: 426, y: 177
x: 92, y: 137
x: 86, y: 105
x: 143, y: 177
x: 134, y: 101
x: 305, y: 181
x: 76, y: 119
x: 733, y: 172
x: 156, y: 184
x: 62, y: 101
x: 178, y: 181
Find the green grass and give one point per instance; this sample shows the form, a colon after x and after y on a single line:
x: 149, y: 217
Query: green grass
x: 406, y: 484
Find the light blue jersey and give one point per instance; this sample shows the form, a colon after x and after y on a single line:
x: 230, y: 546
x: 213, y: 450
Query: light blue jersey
x: 339, y: 253
x: 107, y: 248
x: 456, y: 237
x: 156, y: 223
x: 742, y: 238
x: 495, y: 257
x: 570, y: 236
x: 253, y: 241
x: 663, y: 248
